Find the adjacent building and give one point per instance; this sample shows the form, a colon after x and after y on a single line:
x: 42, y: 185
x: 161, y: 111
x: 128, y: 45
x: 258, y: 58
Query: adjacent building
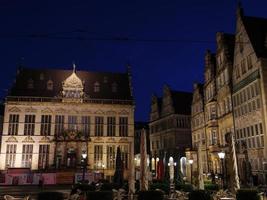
x: 170, y: 126
x: 53, y: 116
x: 233, y: 100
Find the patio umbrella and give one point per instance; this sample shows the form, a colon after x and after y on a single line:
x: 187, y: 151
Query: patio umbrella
x: 143, y: 162
x: 200, y: 168
x: 118, y: 176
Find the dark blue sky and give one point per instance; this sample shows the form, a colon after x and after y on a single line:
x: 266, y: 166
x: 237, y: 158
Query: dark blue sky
x: 178, y: 63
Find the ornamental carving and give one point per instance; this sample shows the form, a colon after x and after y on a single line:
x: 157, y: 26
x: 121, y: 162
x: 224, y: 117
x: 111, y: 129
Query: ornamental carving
x: 12, y: 139
x: 72, y: 88
x: 45, y: 139
x: 47, y: 110
x: 14, y: 109
x: 28, y: 139
x: 31, y: 110
x: 123, y: 112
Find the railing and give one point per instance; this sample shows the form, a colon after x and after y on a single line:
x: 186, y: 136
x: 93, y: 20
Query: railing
x: 60, y: 99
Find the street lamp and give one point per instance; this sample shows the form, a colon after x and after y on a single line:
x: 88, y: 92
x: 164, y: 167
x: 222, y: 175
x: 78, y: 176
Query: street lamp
x: 222, y: 156
x: 84, y: 156
x: 191, y: 167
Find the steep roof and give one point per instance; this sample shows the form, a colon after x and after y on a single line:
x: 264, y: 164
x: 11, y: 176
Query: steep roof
x: 40, y: 77
x: 182, y: 102
x: 257, y: 32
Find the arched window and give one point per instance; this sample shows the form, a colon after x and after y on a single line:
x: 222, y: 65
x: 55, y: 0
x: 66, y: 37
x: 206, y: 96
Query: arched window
x: 96, y: 87
x: 49, y: 85
x: 30, y: 84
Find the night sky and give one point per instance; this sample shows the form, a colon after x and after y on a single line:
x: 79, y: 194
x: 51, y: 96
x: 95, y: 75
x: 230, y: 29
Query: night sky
x: 167, y: 38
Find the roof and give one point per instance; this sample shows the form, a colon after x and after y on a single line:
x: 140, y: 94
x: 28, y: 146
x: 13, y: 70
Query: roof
x: 257, y: 31
x: 40, y: 77
x: 182, y: 102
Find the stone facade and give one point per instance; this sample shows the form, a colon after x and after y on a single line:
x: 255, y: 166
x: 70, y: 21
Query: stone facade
x: 52, y: 131
x: 170, y: 128
x: 234, y: 98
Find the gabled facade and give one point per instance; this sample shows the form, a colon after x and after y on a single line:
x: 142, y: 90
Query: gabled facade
x: 170, y: 127
x: 234, y: 90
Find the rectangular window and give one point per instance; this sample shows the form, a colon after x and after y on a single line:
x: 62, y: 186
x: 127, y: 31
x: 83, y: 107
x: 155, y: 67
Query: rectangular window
x: 261, y: 130
x: 249, y: 63
x: 27, y: 150
x: 111, y: 126
x: 111, y: 157
x: 98, y: 156
x: 243, y: 67
x: 123, y: 124
x: 256, y: 129
x: 46, y: 124
x: 99, y: 126
x: 59, y: 124
x: 85, y: 125
x: 72, y: 123
x: 13, y: 124
x: 252, y: 130
x: 43, y: 160
x: 11, y: 155
x: 29, y: 125
x: 124, y: 155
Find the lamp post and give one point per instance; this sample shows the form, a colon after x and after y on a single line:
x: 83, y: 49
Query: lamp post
x: 191, y: 168
x: 103, y: 167
x: 84, y: 156
x: 222, y: 156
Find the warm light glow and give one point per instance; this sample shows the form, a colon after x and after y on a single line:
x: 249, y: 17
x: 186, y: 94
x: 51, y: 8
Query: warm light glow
x: 103, y: 165
x: 190, y: 161
x: 84, y: 155
x: 169, y: 164
x: 157, y: 159
x: 221, y: 155
x: 174, y: 163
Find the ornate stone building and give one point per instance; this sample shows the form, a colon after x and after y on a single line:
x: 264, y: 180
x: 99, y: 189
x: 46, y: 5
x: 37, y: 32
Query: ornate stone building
x: 234, y: 95
x: 170, y: 128
x: 52, y: 116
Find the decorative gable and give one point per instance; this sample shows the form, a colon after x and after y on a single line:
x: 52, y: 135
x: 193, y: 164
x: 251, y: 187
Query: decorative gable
x: 73, y: 88
x: 47, y: 110
x: 28, y: 139
x: 12, y: 139
x: 45, y: 139
x: 14, y: 109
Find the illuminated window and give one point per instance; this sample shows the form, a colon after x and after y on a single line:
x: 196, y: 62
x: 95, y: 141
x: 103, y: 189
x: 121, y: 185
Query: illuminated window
x: 124, y: 155
x: 11, y: 155
x: 43, y: 156
x: 27, y: 151
x: 98, y: 156
x: 111, y: 157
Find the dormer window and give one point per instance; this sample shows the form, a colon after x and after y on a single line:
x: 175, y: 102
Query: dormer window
x: 96, y: 87
x: 30, y: 84
x: 114, y: 87
x: 49, y: 85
